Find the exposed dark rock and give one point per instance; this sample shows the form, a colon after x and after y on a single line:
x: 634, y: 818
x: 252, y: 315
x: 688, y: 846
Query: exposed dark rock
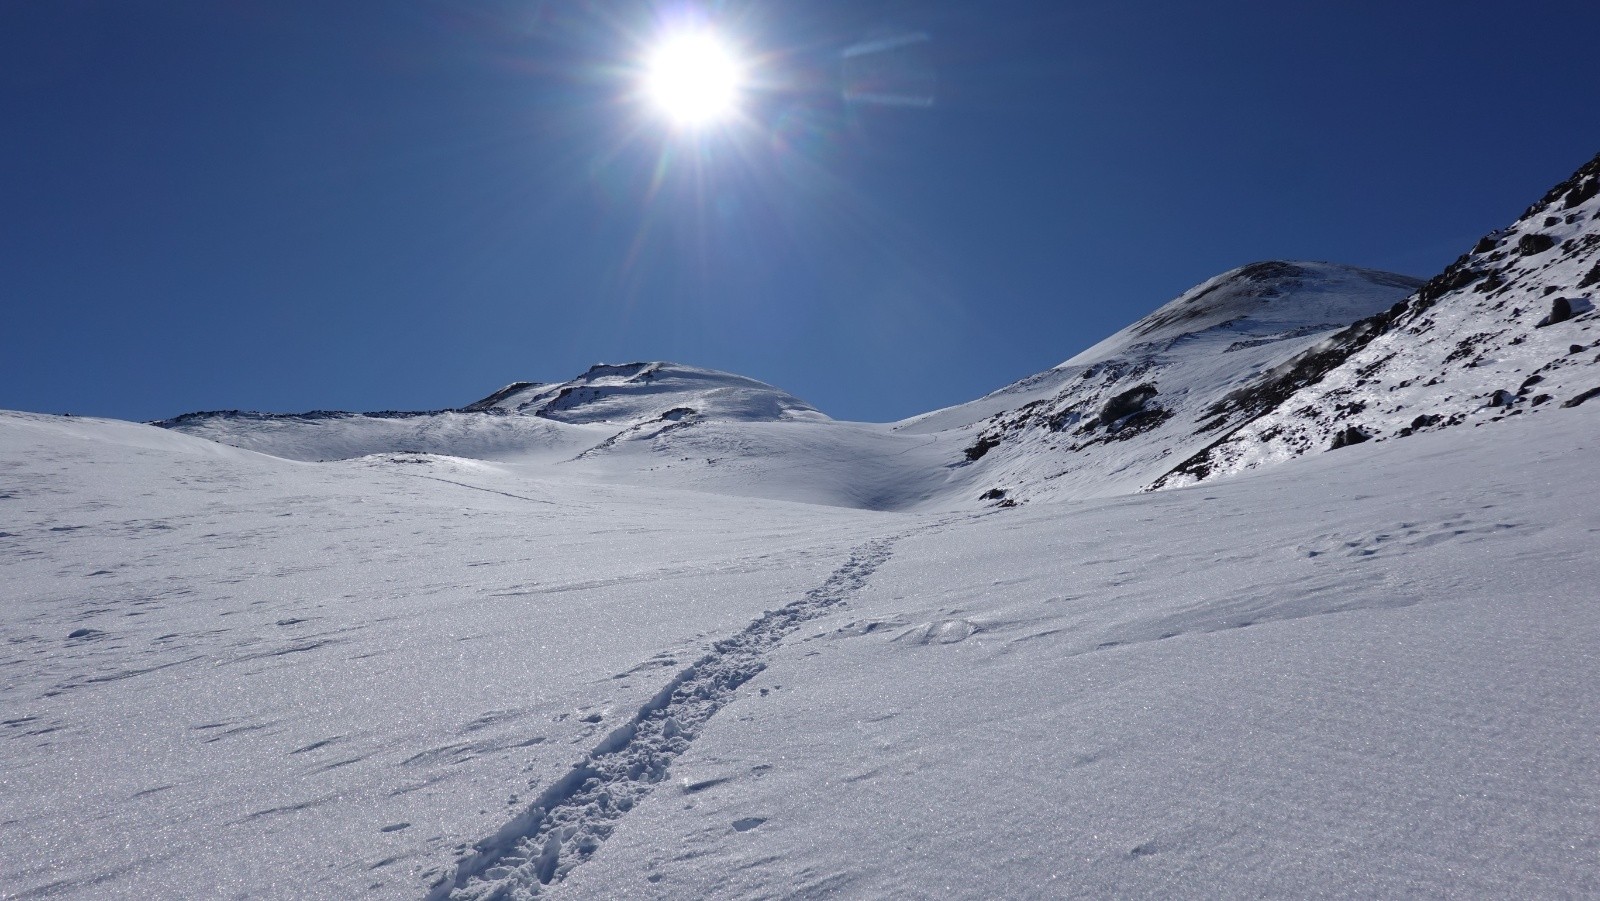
x: 1560, y: 311
x: 498, y: 396
x: 1575, y: 349
x: 1583, y: 190
x: 1539, y: 399
x: 1534, y: 244
x: 1587, y: 395
x: 1127, y: 403
x: 1486, y: 244
x: 1494, y: 282
x: 1139, y: 423
x: 1592, y: 279
x: 985, y: 444
x: 1502, y: 398
x: 1426, y: 420
x: 1062, y: 420
x: 993, y: 494
x: 1347, y: 436
x: 1573, y: 191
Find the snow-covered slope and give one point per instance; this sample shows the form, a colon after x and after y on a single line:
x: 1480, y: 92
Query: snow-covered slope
x: 406, y: 676
x: 659, y: 424
x: 1107, y: 421
x: 1509, y: 329
x: 524, y: 421
x: 232, y: 675
x: 1122, y: 412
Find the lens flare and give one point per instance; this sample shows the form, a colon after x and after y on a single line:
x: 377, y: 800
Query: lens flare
x: 694, y: 79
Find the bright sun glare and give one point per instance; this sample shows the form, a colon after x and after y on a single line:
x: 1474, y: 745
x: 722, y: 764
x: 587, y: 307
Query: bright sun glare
x: 693, y: 78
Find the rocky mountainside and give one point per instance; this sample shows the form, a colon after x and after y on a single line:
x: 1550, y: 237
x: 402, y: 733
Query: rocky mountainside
x: 1120, y: 413
x: 1509, y: 329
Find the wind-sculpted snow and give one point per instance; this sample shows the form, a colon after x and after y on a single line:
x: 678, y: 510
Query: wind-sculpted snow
x: 1509, y: 329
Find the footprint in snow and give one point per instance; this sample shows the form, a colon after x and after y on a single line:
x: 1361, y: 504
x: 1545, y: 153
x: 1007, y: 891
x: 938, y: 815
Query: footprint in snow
x: 948, y: 631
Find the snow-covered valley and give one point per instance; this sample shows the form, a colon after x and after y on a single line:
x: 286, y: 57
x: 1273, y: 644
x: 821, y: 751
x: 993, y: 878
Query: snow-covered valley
x: 660, y: 631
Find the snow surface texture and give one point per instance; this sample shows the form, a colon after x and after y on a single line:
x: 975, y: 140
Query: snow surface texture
x: 667, y: 632
x: 230, y: 675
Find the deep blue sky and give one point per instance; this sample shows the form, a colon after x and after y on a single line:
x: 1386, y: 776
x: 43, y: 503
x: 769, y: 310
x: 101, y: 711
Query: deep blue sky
x: 285, y: 205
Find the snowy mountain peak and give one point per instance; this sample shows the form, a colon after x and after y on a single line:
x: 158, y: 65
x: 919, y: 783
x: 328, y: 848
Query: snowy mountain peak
x: 635, y: 392
x: 1262, y: 301
x: 1116, y: 413
x: 608, y: 406
x: 1510, y: 328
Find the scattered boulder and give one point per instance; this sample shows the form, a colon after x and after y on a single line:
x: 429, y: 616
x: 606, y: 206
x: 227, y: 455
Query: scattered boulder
x: 1347, y: 436
x: 1426, y: 420
x: 1583, y: 190
x: 1592, y: 279
x: 1587, y: 395
x: 1534, y: 244
x: 1127, y: 403
x: 1502, y: 398
x: 985, y: 444
x: 993, y: 494
x: 1560, y: 311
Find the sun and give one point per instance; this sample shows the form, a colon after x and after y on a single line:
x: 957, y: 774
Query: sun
x: 693, y: 78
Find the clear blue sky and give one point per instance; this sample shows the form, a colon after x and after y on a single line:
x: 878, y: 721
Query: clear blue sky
x: 287, y: 205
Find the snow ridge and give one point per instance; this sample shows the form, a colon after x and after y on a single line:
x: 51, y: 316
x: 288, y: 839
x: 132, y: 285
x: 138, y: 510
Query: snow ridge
x: 1508, y: 328
x: 567, y: 823
x: 1119, y: 414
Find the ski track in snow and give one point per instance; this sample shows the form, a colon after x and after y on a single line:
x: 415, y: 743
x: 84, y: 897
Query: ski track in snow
x: 575, y: 814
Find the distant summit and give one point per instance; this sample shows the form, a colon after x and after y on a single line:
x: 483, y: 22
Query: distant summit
x: 1264, y: 302
x: 630, y: 392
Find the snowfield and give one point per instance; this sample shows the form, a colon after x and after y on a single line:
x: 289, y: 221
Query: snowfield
x: 229, y: 675
x: 667, y: 632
